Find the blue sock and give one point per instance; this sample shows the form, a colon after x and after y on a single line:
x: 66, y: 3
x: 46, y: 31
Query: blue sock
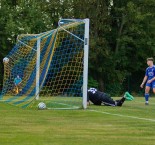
x: 147, y: 97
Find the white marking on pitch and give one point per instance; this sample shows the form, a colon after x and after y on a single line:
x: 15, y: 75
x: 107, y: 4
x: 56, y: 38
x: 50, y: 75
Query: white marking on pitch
x: 72, y: 107
x: 120, y: 115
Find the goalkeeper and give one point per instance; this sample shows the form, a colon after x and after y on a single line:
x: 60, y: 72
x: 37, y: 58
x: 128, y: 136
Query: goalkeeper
x: 17, y: 82
x: 101, y: 98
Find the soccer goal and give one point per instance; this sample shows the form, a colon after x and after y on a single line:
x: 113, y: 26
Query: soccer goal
x: 50, y: 67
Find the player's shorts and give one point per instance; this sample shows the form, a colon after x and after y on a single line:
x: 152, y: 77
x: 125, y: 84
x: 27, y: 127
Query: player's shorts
x: 151, y: 85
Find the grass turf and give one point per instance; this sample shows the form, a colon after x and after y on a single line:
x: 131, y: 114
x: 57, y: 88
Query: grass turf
x: 99, y: 125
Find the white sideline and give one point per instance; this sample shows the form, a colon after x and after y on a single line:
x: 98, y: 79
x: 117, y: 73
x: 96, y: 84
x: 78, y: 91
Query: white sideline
x: 133, y: 117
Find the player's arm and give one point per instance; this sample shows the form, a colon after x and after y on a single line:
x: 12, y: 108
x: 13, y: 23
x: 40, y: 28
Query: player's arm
x: 15, y: 82
x: 150, y: 81
x: 144, y: 81
x: 88, y: 101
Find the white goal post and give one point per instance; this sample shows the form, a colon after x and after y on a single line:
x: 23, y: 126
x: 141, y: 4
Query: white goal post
x: 85, y: 71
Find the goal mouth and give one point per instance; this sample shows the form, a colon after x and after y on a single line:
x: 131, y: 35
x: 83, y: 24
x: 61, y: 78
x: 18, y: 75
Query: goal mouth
x: 53, y: 63
x: 58, y: 103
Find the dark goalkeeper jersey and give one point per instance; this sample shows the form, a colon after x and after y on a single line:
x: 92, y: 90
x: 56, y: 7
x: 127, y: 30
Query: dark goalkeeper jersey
x: 96, y: 96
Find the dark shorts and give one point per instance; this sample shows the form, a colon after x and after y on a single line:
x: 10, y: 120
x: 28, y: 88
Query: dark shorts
x: 107, y: 100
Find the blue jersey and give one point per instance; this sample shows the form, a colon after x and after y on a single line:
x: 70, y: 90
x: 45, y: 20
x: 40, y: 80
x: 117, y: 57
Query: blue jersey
x: 150, y: 72
x: 17, y: 81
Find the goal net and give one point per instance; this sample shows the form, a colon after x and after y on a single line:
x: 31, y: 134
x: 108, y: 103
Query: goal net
x: 50, y: 67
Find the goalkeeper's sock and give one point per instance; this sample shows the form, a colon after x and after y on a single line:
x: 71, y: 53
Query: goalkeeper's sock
x: 147, y: 95
x: 121, y: 101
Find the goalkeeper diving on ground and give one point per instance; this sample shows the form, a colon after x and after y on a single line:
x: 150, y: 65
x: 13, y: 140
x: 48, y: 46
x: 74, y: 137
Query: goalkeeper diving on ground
x: 101, y: 98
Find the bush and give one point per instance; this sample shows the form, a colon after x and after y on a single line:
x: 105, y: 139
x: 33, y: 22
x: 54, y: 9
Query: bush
x: 114, y: 89
x: 92, y: 83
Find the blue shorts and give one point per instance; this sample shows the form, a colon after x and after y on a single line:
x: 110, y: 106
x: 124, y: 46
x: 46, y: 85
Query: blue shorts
x: 151, y: 85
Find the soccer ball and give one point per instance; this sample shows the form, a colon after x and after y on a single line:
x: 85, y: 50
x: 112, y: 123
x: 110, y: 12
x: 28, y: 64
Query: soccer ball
x: 5, y: 60
x: 41, y: 106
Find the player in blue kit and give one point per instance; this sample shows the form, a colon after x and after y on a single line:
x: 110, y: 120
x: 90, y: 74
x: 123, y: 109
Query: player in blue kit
x: 17, y: 83
x: 149, y: 79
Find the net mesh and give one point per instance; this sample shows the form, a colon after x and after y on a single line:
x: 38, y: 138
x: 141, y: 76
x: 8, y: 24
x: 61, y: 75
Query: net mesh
x: 60, y: 71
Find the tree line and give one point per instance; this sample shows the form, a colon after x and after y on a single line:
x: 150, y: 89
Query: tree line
x: 122, y: 35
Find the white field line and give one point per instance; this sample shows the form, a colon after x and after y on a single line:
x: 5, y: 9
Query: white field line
x: 70, y: 107
x: 120, y: 115
x: 63, y: 108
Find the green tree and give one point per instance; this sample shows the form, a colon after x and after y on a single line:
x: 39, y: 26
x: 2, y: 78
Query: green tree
x: 121, y: 37
x: 134, y: 36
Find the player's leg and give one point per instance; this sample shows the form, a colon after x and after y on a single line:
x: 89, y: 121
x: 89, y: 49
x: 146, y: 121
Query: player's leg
x: 121, y: 101
x: 126, y: 96
x: 153, y: 87
x: 147, y: 95
x: 17, y: 89
x: 107, y: 100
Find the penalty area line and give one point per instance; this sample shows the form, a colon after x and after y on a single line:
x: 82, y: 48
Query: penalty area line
x: 126, y: 116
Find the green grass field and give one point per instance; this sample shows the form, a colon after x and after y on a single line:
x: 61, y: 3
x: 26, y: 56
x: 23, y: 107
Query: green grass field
x: 131, y: 124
